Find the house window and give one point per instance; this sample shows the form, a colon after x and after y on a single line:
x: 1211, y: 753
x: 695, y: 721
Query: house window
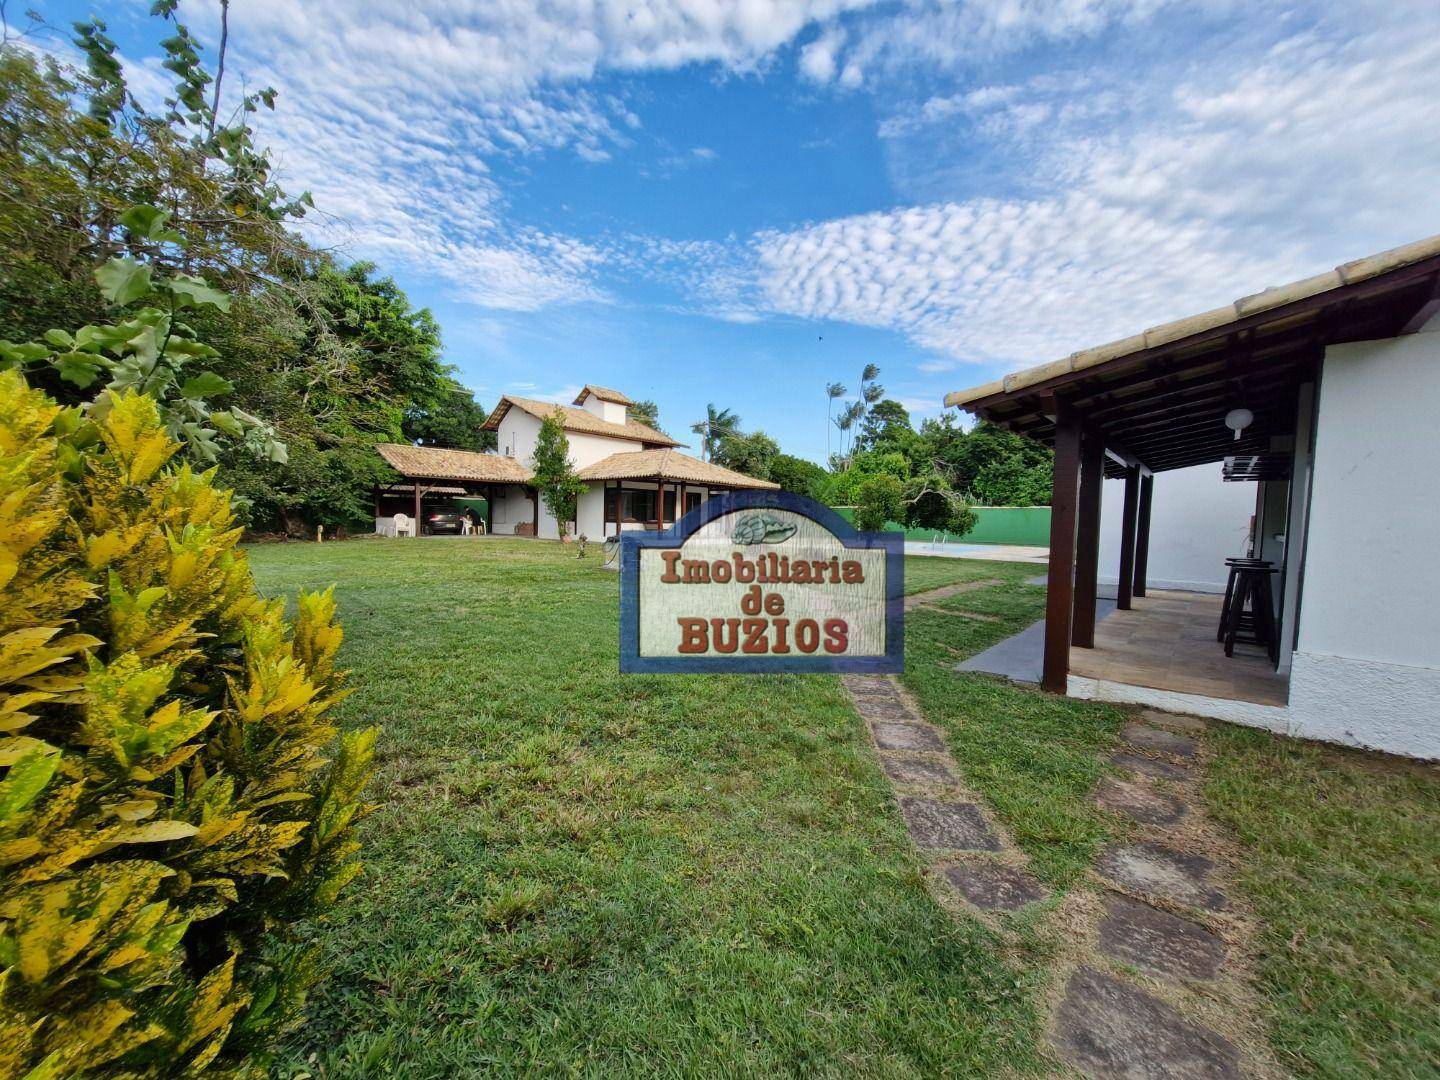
x: 670, y: 504
x: 692, y: 500
x: 635, y: 505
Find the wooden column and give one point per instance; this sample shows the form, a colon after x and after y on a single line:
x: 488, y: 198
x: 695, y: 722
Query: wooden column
x: 1059, y: 596
x: 1125, y: 589
x: 1087, y: 538
x: 1142, y: 533
x: 417, y: 508
x: 489, y: 509
x: 535, y: 518
x: 660, y: 505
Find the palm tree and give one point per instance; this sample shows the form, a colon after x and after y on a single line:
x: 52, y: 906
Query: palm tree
x: 846, y: 421
x: 718, y: 424
x: 833, y: 392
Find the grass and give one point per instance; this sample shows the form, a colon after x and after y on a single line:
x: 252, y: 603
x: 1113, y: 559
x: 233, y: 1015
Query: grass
x: 574, y: 871
x: 577, y: 871
x: 925, y: 572
x: 1034, y: 757
x: 1343, y: 868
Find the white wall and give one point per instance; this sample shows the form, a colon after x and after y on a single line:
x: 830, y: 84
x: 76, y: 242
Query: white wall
x: 1196, y: 522
x: 612, y: 411
x: 1367, y: 661
x: 590, y: 513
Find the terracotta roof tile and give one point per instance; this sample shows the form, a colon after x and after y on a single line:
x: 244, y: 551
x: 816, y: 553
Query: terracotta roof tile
x: 1345, y: 274
x: 603, y: 394
x: 580, y: 420
x: 668, y: 465
x: 433, y: 463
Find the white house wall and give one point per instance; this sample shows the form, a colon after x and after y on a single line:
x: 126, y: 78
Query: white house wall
x: 1196, y: 522
x: 1366, y: 668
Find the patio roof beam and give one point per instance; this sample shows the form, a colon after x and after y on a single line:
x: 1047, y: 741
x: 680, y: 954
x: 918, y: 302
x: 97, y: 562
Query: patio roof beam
x: 1060, y: 577
x: 1427, y: 309
x: 1142, y: 534
x: 1128, y: 519
x: 1309, y: 307
x: 1087, y: 538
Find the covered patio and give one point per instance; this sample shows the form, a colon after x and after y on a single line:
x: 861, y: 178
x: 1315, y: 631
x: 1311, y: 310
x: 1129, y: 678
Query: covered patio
x: 1236, y: 385
x: 431, y: 478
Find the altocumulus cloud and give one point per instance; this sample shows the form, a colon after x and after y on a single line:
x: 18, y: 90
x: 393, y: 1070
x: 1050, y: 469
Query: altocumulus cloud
x: 389, y: 112
x: 1143, y: 201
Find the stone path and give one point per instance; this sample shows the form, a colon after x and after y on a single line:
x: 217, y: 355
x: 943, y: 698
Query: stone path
x: 1159, y: 990
x: 974, y: 864
x: 1150, y: 958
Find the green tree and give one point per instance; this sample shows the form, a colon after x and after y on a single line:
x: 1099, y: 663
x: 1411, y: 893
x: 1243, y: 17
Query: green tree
x: 751, y: 454
x: 554, y: 475
x: 335, y: 358
x: 880, y: 499
x: 717, y: 424
x: 990, y: 463
x: 886, y: 426
x: 338, y: 360
x: 647, y: 412
x: 450, y: 418
x: 796, y: 474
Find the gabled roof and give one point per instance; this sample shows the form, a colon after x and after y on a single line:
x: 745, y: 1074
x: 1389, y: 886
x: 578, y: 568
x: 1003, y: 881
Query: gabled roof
x: 433, y: 463
x: 668, y: 465
x: 579, y: 420
x: 603, y: 394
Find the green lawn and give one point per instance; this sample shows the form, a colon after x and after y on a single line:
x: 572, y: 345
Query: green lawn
x: 1344, y: 870
x: 577, y: 871
x: 1035, y: 757
x: 925, y: 572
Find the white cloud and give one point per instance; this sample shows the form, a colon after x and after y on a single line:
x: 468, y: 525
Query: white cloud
x: 941, y: 35
x: 1143, y: 202
x: 817, y: 59
x: 391, y: 113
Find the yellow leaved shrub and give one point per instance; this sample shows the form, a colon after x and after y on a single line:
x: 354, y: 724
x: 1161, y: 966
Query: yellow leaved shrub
x: 173, y: 795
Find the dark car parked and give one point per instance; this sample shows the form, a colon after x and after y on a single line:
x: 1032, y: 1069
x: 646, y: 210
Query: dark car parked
x: 444, y: 521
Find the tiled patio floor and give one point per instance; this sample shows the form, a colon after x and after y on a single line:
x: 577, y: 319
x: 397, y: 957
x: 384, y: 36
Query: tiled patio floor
x: 1167, y: 641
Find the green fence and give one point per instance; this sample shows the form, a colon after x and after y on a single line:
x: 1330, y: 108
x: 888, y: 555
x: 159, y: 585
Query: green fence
x: 1028, y: 526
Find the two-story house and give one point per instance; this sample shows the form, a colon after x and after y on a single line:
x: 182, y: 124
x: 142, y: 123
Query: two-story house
x: 635, y: 478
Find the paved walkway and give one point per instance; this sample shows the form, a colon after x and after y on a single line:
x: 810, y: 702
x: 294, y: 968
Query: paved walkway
x: 991, y: 552
x: 1151, y: 959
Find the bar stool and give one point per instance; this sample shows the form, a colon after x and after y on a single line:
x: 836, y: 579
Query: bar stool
x: 1234, y: 563
x: 1255, y: 626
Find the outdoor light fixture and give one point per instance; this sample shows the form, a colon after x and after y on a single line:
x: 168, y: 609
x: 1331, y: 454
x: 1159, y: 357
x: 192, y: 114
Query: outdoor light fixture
x: 1237, y: 420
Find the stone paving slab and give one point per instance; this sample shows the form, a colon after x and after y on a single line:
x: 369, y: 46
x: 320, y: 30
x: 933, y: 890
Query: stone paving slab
x: 869, y: 685
x: 880, y: 708
x: 1153, y: 738
x: 895, y: 736
x: 908, y: 770
x: 993, y: 886
x: 1158, y: 942
x: 1160, y: 770
x: 1108, y: 1028
x: 947, y: 826
x: 1140, y: 803
x: 1187, y: 725
x: 1160, y: 873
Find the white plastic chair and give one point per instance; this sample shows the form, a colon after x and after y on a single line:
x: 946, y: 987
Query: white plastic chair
x: 404, y: 526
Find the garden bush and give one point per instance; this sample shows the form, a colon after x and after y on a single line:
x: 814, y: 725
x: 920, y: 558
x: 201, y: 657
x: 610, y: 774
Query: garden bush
x: 174, y: 799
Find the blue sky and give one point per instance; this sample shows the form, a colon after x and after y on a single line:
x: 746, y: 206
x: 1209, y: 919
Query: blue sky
x: 737, y: 202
